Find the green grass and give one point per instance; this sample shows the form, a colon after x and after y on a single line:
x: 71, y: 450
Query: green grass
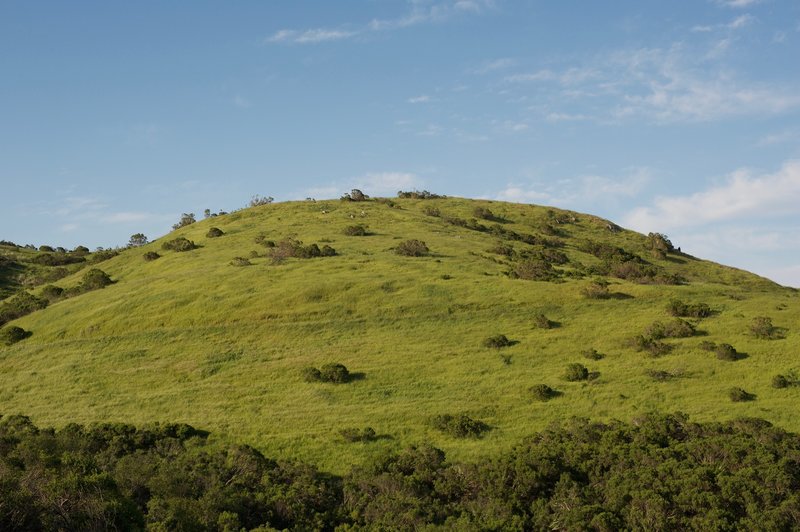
x: 191, y: 338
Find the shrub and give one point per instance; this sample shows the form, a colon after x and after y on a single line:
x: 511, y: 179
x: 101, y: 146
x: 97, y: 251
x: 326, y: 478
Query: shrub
x: 596, y: 290
x: 261, y: 239
x: 327, y: 251
x: 150, y: 256
x: 677, y: 328
x: 660, y: 375
x: 460, y: 426
x: 52, y: 292
x: 592, y: 354
x: 240, y: 261
x: 780, y: 381
x: 680, y: 309
x: 576, y: 372
x: 542, y: 392
x: 431, y: 211
x: 95, y: 279
x: 186, y: 219
x: 502, y: 249
x: 726, y: 352
x: 412, y: 248
x: 534, y: 270
x: 762, y: 327
x: 542, y: 322
x: 355, y: 435
x: 355, y: 195
x: 645, y: 343
x: 738, y: 395
x: 483, y: 213
x: 335, y: 373
x: 417, y: 194
x: 311, y: 374
x: 21, y: 304
x: 497, y: 341
x: 214, y: 232
x: 101, y: 255
x: 13, y: 334
x: 355, y: 230
x: 257, y: 201
x: 179, y: 244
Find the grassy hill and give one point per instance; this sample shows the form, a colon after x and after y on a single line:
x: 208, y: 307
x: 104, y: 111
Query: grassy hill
x: 201, y: 337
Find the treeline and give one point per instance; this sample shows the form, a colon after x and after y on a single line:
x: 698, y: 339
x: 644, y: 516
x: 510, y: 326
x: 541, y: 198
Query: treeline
x: 660, y: 472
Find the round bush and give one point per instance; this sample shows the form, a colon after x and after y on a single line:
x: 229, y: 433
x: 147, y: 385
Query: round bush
x: 214, y: 232
x: 738, y: 395
x: 150, y: 256
x: 412, y: 248
x: 726, y: 352
x: 497, y: 341
x: 336, y: 373
x: 13, y: 334
x: 95, y: 279
x: 592, y: 354
x: 355, y: 230
x: 576, y: 372
x: 542, y: 392
x: 52, y: 292
x: 779, y: 381
x: 460, y: 426
x: 311, y: 374
x: 240, y: 261
x: 179, y: 244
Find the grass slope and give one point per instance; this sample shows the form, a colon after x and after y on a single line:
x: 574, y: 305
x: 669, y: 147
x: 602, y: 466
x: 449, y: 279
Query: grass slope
x: 191, y: 338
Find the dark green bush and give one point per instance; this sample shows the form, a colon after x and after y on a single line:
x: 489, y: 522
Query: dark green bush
x: 214, y: 232
x: 780, y: 381
x: 179, y: 244
x: 13, y: 334
x: 592, y: 354
x: 327, y: 251
x: 355, y: 435
x: 102, y: 255
x: 412, y: 248
x: 431, y: 211
x: 596, y: 290
x: 542, y: 392
x: 52, y: 293
x: 311, y: 374
x: 418, y: 194
x: 483, y: 213
x: 738, y: 395
x: 648, y: 344
x: 240, y: 261
x: 95, y: 279
x: 726, y: 352
x: 460, y: 426
x: 540, y: 321
x: 762, y: 327
x: 356, y: 230
x: 534, y: 270
x: 576, y: 372
x: 334, y: 373
x: 151, y: 256
x: 676, y: 328
x: 497, y: 341
x: 21, y: 304
x: 681, y: 309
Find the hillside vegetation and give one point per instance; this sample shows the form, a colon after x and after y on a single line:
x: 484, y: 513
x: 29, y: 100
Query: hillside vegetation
x: 332, y: 331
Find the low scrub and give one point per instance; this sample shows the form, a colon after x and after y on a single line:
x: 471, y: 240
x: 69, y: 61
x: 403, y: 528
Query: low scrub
x: 576, y: 372
x: 292, y: 248
x: 738, y: 395
x: 412, y: 248
x: 592, y: 354
x: 534, y: 270
x: 334, y: 373
x: 681, y: 309
x: 12, y: 334
x: 353, y: 435
x: 676, y: 328
x: 597, y: 290
x: 660, y: 375
x: 179, y: 244
x: 240, y: 261
x: 540, y: 321
x: 459, y: 426
x: 151, y: 256
x: 95, y: 279
x: 542, y: 392
x: 356, y: 230
x: 418, y: 194
x: 649, y: 345
x: 762, y: 328
x: 214, y: 232
x: 497, y: 341
x: 20, y: 304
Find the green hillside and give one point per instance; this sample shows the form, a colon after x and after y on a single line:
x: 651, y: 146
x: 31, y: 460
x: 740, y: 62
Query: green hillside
x: 219, y: 336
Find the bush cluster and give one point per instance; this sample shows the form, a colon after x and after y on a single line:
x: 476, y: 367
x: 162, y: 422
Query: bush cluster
x: 660, y: 375
x: 762, y: 328
x: 179, y: 244
x: 459, y: 426
x: 645, y: 343
x: 418, y: 194
x: 738, y: 395
x: 676, y: 328
x: 534, y: 270
x: 151, y: 256
x: 214, y: 232
x: 292, y: 248
x: 356, y: 230
x: 576, y: 372
x: 12, y: 334
x: 723, y: 351
x: 597, y: 289
x: 681, y: 309
x: 352, y: 435
x: 542, y: 392
x: 412, y: 248
x: 497, y: 341
x: 333, y: 373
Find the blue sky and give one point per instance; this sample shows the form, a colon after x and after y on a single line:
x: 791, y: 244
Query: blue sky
x: 681, y: 117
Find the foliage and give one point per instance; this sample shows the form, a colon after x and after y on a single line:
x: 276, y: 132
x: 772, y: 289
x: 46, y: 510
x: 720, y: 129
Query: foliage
x: 738, y: 395
x: 780, y: 381
x: 497, y: 341
x: 291, y: 247
x: 576, y: 372
x: 334, y: 373
x: 483, y: 213
x: 645, y: 343
x: 21, y: 304
x: 52, y: 293
x: 257, y: 201
x: 186, y: 219
x: 57, y: 259
x: 726, y: 352
x: 431, y: 211
x: 151, y: 256
x: 542, y: 392
x: 95, y: 279
x: 214, y: 232
x: 540, y: 321
x: 137, y: 240
x: 240, y: 261
x: 676, y: 328
x: 358, y: 435
x: 597, y: 289
x: 417, y: 194
x: 459, y: 426
x: 534, y: 270
x: 680, y: 309
x: 179, y: 244
x: 12, y: 334
x: 660, y: 375
x: 355, y: 230
x: 762, y: 328
x: 592, y: 354
x: 412, y: 248
x: 355, y: 195
x: 102, y: 255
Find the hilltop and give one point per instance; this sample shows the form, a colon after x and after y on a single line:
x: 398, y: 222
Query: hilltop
x: 485, y: 302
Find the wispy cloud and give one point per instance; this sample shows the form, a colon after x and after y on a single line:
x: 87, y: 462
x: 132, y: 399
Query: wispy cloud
x: 742, y: 195
x: 371, y: 183
x: 419, y: 13
x: 423, y: 98
x: 241, y: 102
x: 738, y: 4
x: 494, y: 65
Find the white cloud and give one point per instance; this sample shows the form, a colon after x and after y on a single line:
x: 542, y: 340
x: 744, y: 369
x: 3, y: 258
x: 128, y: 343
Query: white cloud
x: 781, y: 137
x: 565, y: 117
x: 423, y: 98
x: 740, y: 22
x: 420, y: 13
x: 742, y: 196
x: 241, y: 102
x: 737, y: 3
x: 496, y: 64
x: 371, y: 183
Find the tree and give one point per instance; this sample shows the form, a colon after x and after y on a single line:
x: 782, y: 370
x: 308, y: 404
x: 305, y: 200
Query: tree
x: 257, y: 200
x: 137, y: 240
x: 186, y: 219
